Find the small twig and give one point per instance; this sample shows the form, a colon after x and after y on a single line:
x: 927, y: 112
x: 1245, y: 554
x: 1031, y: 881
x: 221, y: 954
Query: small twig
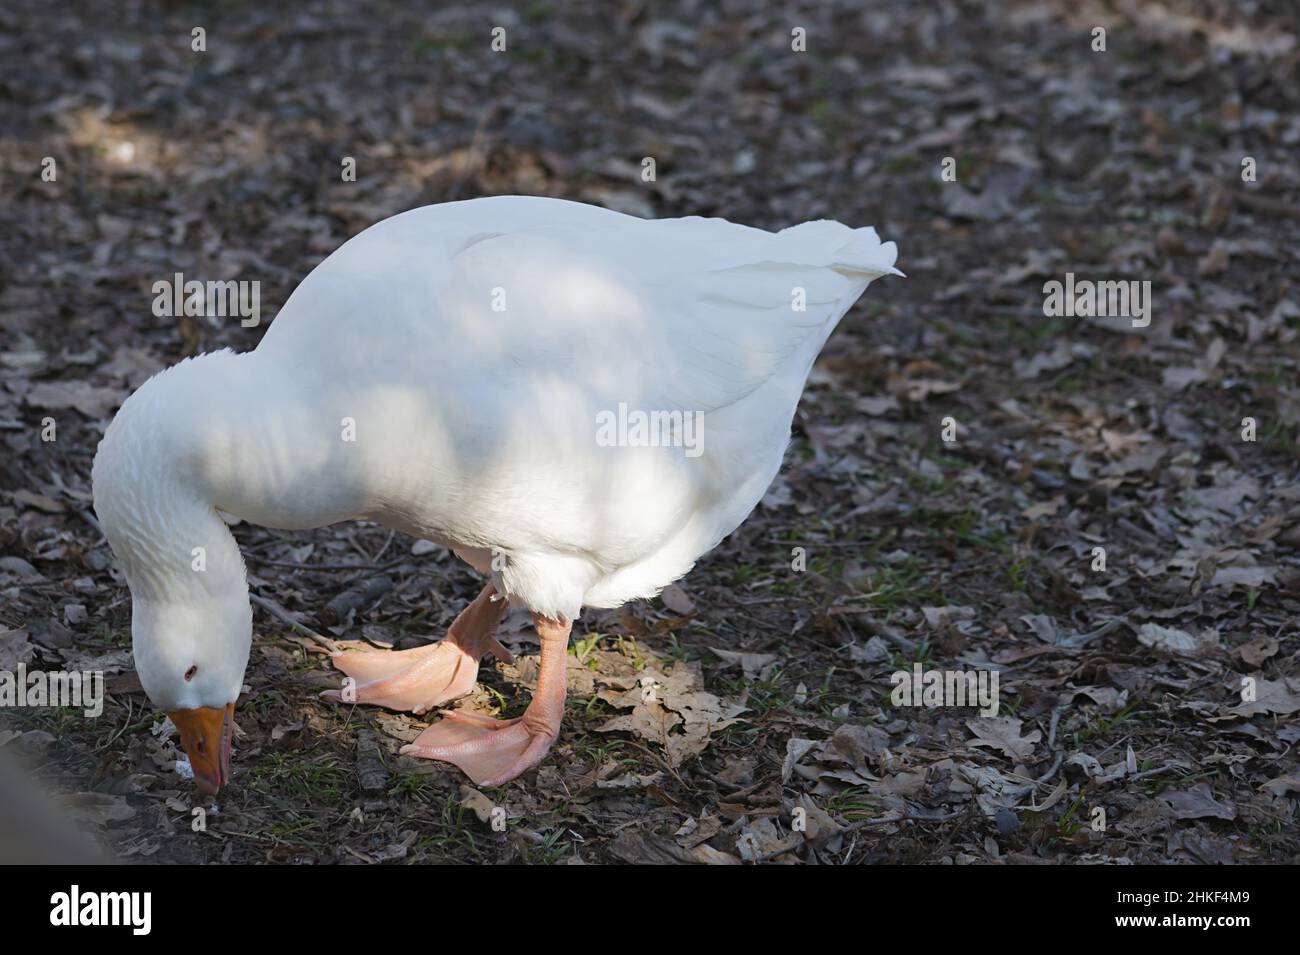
x: 1266, y: 204
x: 1041, y: 780
x: 391, y: 535
x: 906, y: 817
x: 1056, y: 719
x: 92, y: 520
x: 1051, y: 744
x: 903, y: 643
x: 1143, y: 775
x: 280, y: 613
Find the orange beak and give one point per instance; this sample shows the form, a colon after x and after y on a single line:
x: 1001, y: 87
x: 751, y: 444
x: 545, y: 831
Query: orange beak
x: 205, y: 734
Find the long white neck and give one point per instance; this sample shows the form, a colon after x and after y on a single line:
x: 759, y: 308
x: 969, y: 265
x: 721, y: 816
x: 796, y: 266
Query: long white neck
x: 151, y: 494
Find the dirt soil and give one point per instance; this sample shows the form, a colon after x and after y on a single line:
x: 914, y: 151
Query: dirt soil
x: 1105, y: 530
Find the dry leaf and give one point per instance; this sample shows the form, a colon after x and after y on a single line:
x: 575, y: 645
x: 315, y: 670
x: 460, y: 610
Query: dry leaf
x: 1003, y: 732
x: 1197, y: 803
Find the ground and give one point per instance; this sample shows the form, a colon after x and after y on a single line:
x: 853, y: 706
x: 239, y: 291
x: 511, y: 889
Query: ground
x: 1077, y: 504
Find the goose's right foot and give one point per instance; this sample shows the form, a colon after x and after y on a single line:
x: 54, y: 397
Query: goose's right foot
x: 426, y: 677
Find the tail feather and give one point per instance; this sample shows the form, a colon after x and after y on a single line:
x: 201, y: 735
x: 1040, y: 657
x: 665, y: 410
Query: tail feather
x: 853, y: 252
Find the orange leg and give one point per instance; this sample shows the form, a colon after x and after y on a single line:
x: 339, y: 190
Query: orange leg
x: 421, y: 679
x: 492, y: 752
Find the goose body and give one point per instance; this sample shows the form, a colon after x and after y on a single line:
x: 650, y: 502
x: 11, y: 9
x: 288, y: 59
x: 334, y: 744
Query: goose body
x: 466, y: 373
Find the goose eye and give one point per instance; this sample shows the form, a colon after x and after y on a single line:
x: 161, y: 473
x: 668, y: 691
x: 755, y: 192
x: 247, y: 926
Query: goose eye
x: 189, y: 674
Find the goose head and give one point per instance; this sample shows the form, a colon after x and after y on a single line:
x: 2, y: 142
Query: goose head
x: 190, y: 657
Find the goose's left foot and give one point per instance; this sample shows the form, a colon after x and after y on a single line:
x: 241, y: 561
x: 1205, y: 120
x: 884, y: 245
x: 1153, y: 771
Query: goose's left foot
x: 492, y: 752
x: 420, y: 679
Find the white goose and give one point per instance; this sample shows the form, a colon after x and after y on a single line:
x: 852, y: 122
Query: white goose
x: 476, y: 374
